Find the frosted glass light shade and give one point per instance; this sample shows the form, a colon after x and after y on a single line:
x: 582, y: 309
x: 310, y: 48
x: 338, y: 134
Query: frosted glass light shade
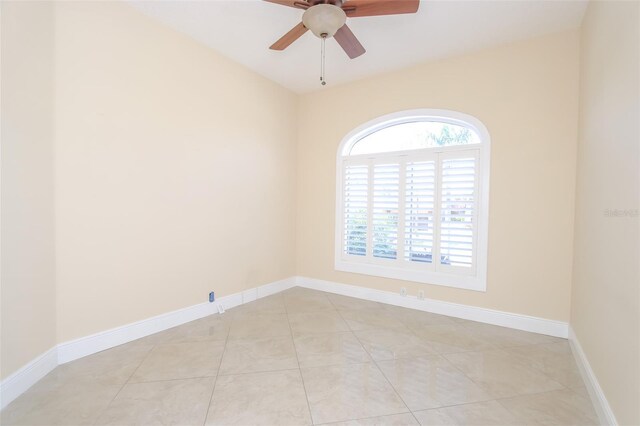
x: 324, y: 19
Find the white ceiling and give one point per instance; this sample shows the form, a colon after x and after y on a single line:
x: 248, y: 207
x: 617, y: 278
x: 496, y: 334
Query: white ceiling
x: 244, y: 29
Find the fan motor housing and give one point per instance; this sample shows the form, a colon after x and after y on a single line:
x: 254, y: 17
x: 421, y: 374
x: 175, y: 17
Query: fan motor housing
x: 324, y: 19
x: 333, y: 2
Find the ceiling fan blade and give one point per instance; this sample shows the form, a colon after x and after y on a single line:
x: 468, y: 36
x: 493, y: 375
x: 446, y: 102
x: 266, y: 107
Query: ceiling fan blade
x: 349, y: 42
x: 299, y: 4
x: 358, y: 8
x: 284, y: 41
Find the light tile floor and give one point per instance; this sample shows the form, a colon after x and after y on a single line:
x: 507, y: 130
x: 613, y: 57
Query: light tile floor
x: 308, y: 357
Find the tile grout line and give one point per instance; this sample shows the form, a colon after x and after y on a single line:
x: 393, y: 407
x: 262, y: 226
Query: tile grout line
x: 442, y: 356
x: 215, y: 382
x: 481, y: 386
x: 376, y: 364
x: 123, y: 385
x: 295, y: 349
x: 438, y: 355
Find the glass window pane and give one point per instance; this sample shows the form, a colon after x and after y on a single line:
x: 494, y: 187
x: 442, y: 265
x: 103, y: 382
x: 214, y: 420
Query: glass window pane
x: 414, y: 135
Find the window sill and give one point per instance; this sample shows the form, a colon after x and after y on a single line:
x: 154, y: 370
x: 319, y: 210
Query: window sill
x: 426, y: 277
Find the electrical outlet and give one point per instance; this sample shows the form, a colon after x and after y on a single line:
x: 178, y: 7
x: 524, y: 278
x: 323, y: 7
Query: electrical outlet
x: 421, y: 295
x: 212, y: 297
x: 403, y: 291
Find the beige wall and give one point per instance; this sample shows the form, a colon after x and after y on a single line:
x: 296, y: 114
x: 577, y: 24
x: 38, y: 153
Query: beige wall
x: 175, y: 171
x: 27, y: 290
x: 527, y: 96
x: 605, y: 312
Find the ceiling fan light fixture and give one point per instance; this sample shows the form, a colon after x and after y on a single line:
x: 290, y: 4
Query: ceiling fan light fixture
x: 324, y: 19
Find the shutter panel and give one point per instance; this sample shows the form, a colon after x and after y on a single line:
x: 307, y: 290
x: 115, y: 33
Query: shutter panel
x: 386, y: 192
x: 458, y: 211
x: 356, y: 189
x: 419, y: 209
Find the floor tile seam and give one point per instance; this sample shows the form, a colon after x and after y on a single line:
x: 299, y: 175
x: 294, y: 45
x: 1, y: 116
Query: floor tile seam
x: 196, y: 340
x: 123, y: 385
x: 478, y: 384
x: 277, y: 336
x: 418, y: 336
x: 455, y: 367
x: 401, y: 358
x: 452, y: 321
x: 593, y: 415
x: 295, y: 349
x: 244, y: 373
x: 490, y: 349
x: 215, y: 381
x: 176, y: 379
x: 321, y: 333
x: 522, y: 364
x: 412, y: 331
x: 535, y: 393
x: 254, y: 315
x: 511, y: 346
x: 536, y: 369
x: 354, y: 334
x: 246, y: 342
x: 500, y: 401
x: 295, y: 313
x: 338, y: 364
x: 382, y: 373
x: 497, y: 400
x: 313, y: 333
x: 532, y: 394
x: 456, y: 405
x: 430, y: 342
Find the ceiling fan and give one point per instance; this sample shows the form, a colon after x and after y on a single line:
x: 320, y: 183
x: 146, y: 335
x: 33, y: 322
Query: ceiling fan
x: 326, y: 19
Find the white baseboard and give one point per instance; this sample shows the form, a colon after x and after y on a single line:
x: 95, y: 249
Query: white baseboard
x: 599, y: 400
x: 78, y: 348
x: 17, y: 383
x: 489, y: 316
x: 14, y: 385
x: 88, y: 345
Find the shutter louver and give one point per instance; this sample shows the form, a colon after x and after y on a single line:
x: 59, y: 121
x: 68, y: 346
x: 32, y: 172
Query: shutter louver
x: 419, y: 208
x: 458, y: 211
x: 386, y: 194
x: 356, y: 189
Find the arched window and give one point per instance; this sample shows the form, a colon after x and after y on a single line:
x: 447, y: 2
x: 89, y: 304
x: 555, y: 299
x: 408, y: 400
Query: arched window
x: 412, y: 199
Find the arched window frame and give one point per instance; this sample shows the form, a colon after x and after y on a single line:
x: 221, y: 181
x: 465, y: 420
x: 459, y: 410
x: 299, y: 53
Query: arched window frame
x: 476, y: 280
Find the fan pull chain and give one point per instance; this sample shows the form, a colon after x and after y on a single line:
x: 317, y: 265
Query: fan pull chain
x: 322, y: 49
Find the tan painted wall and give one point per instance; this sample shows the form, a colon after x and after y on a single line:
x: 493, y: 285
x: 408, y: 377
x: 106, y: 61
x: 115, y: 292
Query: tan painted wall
x: 527, y: 96
x: 27, y: 290
x: 175, y: 171
x: 605, y: 308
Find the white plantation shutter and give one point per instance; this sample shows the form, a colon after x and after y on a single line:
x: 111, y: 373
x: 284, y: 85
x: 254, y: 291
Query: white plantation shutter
x: 381, y: 197
x: 419, y: 210
x: 385, y: 214
x: 458, y: 210
x: 414, y: 206
x: 355, y: 205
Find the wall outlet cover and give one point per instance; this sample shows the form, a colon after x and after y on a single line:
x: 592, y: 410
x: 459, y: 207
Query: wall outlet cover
x: 421, y: 295
x: 403, y: 291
